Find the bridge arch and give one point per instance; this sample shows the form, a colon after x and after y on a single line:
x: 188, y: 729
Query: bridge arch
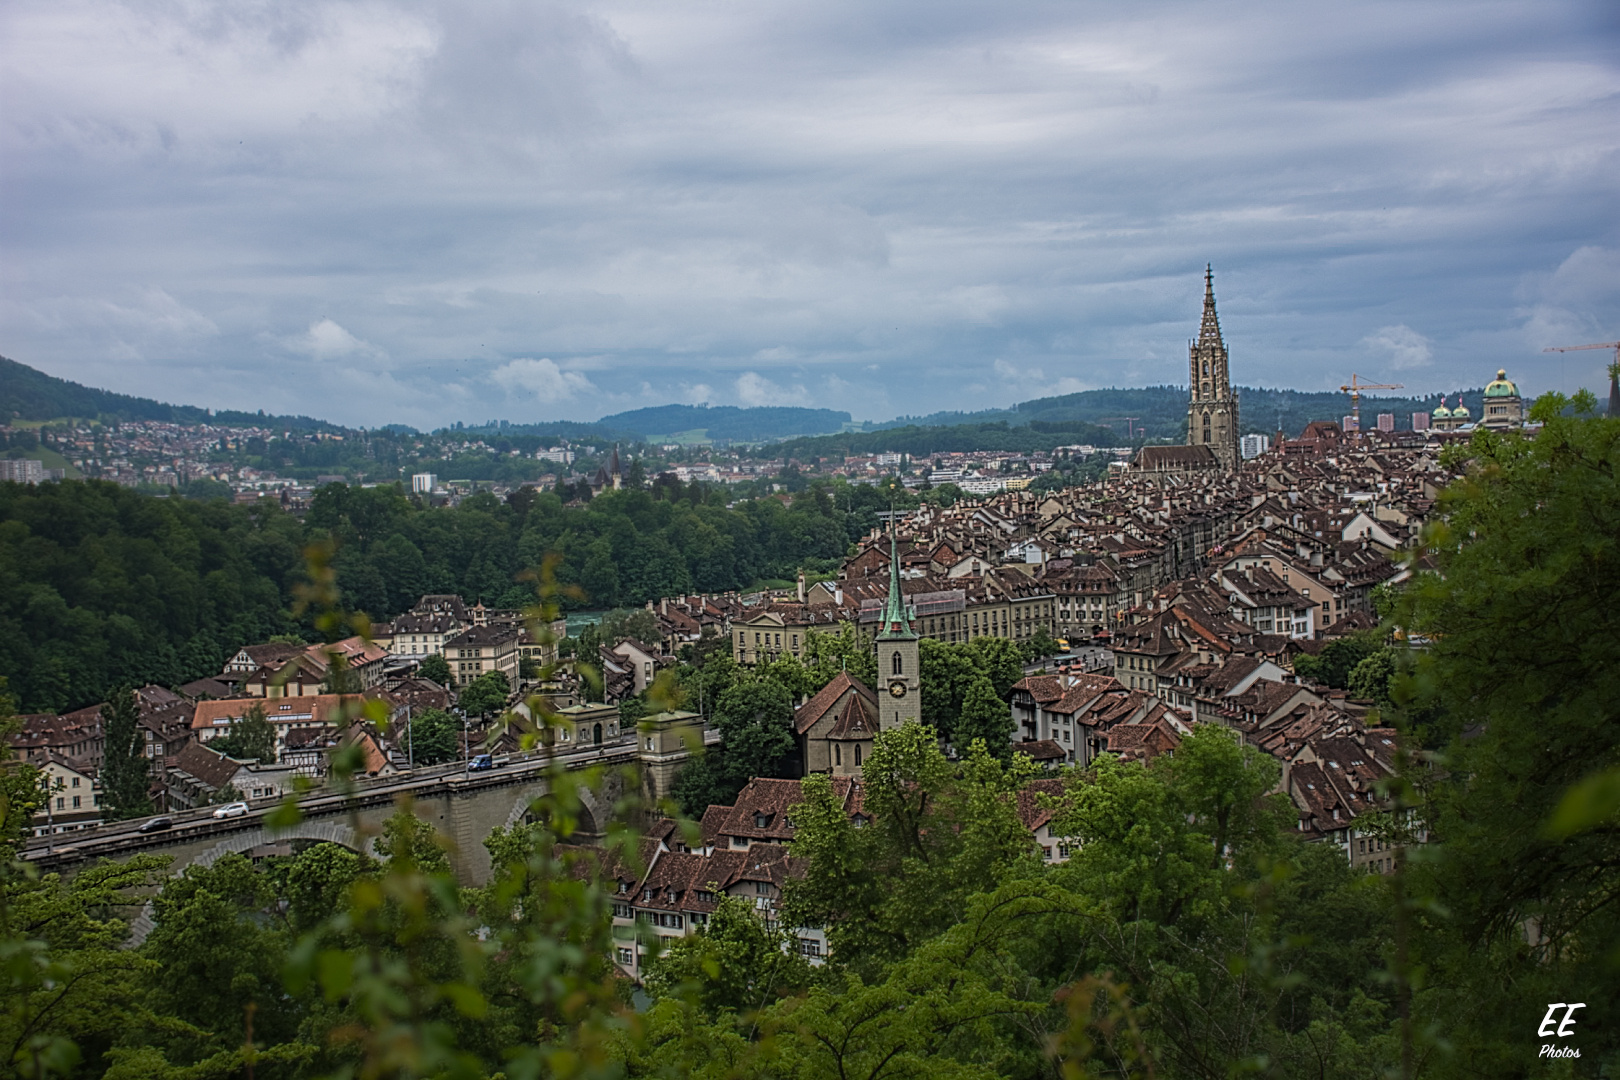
x: 332, y: 832
x: 592, y: 814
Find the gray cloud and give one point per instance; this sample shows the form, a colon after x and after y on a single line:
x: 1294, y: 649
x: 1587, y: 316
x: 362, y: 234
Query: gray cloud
x: 883, y: 208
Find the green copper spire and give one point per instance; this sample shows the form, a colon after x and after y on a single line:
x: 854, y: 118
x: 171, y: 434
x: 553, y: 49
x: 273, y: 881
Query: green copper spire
x: 895, y: 623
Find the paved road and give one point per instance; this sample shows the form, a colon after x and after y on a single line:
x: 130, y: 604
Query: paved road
x: 1090, y: 658
x: 106, y: 839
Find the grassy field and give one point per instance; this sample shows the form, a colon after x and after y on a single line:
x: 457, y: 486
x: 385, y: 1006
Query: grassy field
x: 682, y: 438
x: 50, y: 458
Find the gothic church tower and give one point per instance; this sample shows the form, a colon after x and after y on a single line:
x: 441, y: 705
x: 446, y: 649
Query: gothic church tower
x: 1212, y: 408
x: 899, y: 658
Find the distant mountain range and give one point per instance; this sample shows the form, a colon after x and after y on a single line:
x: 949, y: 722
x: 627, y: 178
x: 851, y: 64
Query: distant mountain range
x: 1156, y: 412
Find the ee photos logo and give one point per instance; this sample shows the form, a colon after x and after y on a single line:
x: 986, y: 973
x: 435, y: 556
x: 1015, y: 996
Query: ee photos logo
x: 1551, y: 1025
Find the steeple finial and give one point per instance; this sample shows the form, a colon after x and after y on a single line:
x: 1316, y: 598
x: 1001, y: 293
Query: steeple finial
x: 1209, y: 330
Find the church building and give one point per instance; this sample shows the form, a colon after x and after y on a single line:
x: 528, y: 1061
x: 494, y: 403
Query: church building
x: 899, y: 656
x: 1212, y: 407
x: 835, y: 728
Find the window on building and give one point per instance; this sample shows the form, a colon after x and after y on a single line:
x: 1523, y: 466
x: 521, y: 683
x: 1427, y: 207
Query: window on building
x: 857, y: 753
x: 897, y: 663
x: 838, y: 754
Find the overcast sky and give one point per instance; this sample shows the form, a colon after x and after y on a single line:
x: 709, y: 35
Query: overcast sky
x: 406, y: 211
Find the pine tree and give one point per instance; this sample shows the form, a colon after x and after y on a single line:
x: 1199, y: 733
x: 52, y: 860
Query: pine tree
x: 124, y: 768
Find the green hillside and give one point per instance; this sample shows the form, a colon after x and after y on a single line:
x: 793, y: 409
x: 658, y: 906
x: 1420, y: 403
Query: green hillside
x: 729, y: 423
x: 30, y: 394
x: 1161, y: 411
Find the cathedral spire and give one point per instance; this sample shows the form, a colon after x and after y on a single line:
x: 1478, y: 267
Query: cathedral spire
x: 1212, y: 407
x: 1209, y: 331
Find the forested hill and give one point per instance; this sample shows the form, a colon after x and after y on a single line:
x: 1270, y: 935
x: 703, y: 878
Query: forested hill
x: 101, y: 586
x: 29, y: 394
x: 728, y: 422
x: 1162, y: 410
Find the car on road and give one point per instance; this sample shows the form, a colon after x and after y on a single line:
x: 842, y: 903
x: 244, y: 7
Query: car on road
x: 481, y: 762
x: 156, y: 824
x: 230, y: 810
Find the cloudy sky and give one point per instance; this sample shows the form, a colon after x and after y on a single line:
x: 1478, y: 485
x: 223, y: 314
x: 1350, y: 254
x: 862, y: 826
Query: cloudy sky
x: 392, y: 210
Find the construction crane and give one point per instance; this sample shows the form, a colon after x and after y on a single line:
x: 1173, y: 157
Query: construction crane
x: 1614, y: 368
x: 1615, y: 345
x: 1354, y: 389
x: 1130, y: 421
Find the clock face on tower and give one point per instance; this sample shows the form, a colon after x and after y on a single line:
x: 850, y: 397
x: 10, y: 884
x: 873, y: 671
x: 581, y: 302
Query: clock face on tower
x: 897, y: 689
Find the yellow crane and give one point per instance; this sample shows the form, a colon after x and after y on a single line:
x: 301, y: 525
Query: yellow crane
x: 1354, y: 389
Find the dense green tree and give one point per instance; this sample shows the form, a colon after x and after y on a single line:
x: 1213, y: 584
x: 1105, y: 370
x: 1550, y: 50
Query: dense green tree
x: 1338, y: 658
x: 71, y: 991
x: 1040, y: 645
x: 484, y: 695
x: 701, y: 686
x: 938, y: 833
x: 950, y: 670
x: 1370, y: 680
x: 316, y: 881
x: 735, y: 963
x: 433, y: 736
x: 125, y: 770
x: 1001, y: 661
x: 1522, y: 674
x: 704, y: 781
x: 435, y: 667
x: 100, y: 586
x: 1184, y: 864
x: 986, y: 718
x: 755, y: 720
x: 754, y: 715
x: 251, y: 738
x: 215, y: 953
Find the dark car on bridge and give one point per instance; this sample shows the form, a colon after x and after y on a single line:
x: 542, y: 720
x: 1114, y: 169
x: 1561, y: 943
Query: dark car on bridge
x: 157, y: 824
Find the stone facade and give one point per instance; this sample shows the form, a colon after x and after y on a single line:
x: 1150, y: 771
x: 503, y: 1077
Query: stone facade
x: 1212, y: 408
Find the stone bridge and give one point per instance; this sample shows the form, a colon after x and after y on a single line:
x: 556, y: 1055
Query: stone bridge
x: 462, y: 806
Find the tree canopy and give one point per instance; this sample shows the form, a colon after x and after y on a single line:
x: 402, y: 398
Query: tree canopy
x: 101, y: 586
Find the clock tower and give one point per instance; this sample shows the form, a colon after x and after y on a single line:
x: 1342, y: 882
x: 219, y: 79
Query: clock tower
x: 899, y: 659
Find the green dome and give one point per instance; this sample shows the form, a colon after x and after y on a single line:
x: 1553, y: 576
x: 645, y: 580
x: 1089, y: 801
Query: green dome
x: 1461, y: 409
x: 1440, y: 410
x: 1502, y: 386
